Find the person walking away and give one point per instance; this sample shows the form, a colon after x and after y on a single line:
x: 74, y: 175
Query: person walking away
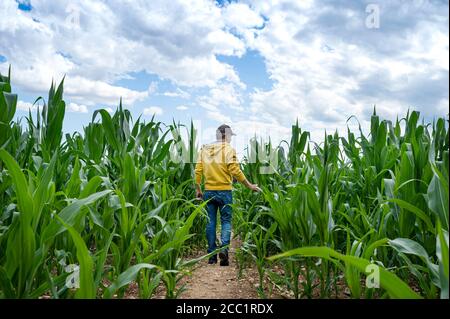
x: 218, y: 164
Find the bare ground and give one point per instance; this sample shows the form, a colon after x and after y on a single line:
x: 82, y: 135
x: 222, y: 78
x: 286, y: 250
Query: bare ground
x: 211, y: 281
x: 219, y: 282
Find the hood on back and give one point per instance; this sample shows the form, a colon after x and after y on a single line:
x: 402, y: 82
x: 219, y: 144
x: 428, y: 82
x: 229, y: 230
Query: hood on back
x: 215, y: 150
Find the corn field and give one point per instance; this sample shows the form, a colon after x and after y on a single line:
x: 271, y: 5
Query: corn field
x: 116, y: 201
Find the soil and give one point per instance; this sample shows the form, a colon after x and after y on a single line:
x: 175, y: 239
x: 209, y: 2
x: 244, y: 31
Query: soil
x: 206, y: 281
x: 222, y: 282
x: 219, y: 282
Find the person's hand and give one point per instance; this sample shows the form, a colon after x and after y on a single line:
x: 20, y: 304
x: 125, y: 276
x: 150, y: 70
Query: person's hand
x: 198, y: 194
x: 255, y: 188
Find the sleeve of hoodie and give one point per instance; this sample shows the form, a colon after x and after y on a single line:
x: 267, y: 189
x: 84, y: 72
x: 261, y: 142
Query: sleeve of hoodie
x: 199, y: 168
x: 233, y: 165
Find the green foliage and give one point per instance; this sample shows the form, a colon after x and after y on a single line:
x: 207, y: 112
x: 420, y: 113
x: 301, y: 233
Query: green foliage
x: 118, y: 202
x: 358, y: 196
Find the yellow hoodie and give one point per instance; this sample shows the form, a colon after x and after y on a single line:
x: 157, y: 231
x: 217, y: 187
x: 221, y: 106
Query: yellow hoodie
x: 219, y: 164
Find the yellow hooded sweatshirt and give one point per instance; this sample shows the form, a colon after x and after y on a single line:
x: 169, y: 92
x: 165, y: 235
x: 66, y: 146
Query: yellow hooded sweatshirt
x: 219, y: 164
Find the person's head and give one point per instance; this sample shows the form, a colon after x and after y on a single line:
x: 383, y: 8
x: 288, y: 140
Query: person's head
x: 224, y: 133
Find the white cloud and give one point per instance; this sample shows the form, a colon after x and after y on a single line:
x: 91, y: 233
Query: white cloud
x: 324, y: 63
x: 77, y: 108
x: 153, y: 110
x: 42, y: 51
x: 179, y: 93
x: 175, y: 40
x: 153, y: 87
x: 218, y: 116
x: 97, y: 92
x: 25, y: 106
x: 70, y: 107
x: 240, y: 15
x: 222, y: 99
x: 225, y: 43
x: 327, y: 66
x: 182, y: 108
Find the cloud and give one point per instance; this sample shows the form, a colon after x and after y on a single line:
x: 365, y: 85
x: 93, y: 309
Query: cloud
x: 153, y: 87
x: 25, y: 106
x: 327, y: 65
x: 42, y: 51
x: 97, y: 92
x: 218, y: 116
x: 221, y: 100
x: 179, y: 93
x: 70, y: 107
x: 95, y: 45
x: 241, y: 16
x: 242, y: 20
x: 153, y: 110
x: 324, y: 63
x: 76, y: 108
x: 182, y: 108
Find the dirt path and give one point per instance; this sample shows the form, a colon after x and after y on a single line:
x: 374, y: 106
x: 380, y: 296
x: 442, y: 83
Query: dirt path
x: 217, y: 282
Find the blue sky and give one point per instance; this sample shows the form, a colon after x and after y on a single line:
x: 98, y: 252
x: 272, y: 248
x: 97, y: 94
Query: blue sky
x: 257, y: 65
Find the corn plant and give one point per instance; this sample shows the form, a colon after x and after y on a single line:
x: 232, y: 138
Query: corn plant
x: 115, y: 201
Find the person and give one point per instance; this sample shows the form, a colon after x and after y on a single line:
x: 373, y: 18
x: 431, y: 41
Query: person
x: 218, y: 164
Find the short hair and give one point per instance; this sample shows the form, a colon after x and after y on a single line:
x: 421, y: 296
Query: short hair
x: 222, y: 131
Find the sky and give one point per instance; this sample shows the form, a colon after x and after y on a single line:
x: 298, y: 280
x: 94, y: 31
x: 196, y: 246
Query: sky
x: 255, y: 65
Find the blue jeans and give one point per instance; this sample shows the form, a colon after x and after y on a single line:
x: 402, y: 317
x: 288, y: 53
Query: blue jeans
x: 219, y: 200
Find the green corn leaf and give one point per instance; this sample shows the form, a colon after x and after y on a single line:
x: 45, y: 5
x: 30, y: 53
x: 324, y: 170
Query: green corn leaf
x: 24, y: 199
x: 5, y: 284
x: 42, y: 191
x: 126, y: 278
x: 438, y: 200
x: 87, y: 288
x: 442, y: 254
x: 70, y: 214
x: 408, y: 246
x: 413, y: 209
x: 393, y: 285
